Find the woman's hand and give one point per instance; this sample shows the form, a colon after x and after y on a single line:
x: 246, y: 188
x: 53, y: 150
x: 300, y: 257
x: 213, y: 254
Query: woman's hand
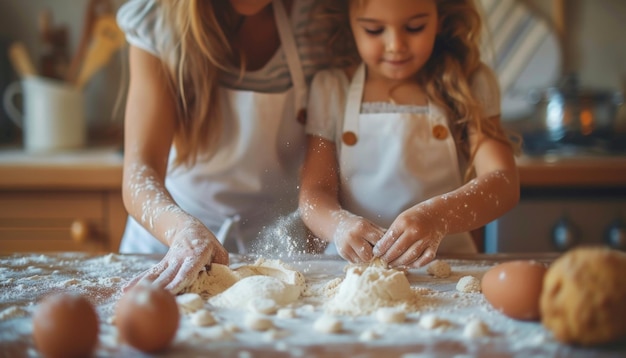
x: 412, y: 239
x: 355, y: 237
x: 193, y: 248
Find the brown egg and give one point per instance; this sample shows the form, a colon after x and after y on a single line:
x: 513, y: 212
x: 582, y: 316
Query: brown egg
x: 514, y: 288
x: 147, y: 317
x: 65, y: 325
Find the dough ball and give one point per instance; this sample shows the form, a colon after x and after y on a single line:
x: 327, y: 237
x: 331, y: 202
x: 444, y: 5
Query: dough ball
x: 583, y: 301
x: 202, y: 318
x: 65, y: 325
x: 434, y: 322
x: 468, y: 284
x: 390, y: 315
x: 328, y: 324
x: 287, y: 312
x: 257, y: 322
x: 439, y: 269
x: 147, y: 317
x: 476, y: 328
x: 262, y: 305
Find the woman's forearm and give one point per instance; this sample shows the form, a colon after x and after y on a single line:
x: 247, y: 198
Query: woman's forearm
x: 148, y: 201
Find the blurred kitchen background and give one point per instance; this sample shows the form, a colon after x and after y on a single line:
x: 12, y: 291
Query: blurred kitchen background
x: 584, y: 37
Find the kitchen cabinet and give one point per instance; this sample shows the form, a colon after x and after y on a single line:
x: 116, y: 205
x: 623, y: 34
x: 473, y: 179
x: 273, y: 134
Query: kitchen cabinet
x: 565, y: 201
x: 66, y: 201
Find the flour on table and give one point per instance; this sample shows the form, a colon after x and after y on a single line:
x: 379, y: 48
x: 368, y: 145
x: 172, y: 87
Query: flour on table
x: 468, y: 284
x: 366, y: 289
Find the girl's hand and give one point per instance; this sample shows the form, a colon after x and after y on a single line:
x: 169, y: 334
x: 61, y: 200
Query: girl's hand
x: 355, y: 237
x: 412, y: 239
x: 192, y: 249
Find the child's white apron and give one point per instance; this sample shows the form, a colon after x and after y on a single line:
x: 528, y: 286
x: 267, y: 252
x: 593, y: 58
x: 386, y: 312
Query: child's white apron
x: 398, y: 160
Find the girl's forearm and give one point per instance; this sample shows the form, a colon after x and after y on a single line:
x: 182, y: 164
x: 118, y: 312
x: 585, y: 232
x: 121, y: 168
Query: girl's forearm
x: 474, y: 204
x: 321, y: 213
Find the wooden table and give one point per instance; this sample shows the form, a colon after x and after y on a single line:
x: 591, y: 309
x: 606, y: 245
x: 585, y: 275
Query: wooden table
x: 25, y: 278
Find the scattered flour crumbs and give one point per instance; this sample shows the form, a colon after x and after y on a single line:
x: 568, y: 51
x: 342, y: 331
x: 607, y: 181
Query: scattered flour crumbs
x: 294, y: 308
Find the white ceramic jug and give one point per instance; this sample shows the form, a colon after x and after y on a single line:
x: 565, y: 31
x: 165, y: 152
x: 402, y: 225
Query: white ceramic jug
x: 52, y: 116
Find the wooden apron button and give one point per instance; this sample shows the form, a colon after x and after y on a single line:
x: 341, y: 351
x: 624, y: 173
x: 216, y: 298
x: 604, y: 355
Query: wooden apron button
x: 440, y: 131
x: 349, y: 138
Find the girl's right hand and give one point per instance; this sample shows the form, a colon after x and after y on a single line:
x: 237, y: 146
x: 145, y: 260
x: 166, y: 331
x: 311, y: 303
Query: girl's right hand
x: 193, y: 248
x: 355, y: 237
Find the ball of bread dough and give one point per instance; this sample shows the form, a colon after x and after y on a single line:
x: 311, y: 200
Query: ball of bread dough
x: 584, y: 295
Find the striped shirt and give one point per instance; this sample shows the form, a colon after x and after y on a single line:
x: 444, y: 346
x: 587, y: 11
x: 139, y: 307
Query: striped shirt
x: 145, y: 27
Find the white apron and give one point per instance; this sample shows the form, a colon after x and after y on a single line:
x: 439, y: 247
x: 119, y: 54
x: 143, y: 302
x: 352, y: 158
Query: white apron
x: 398, y: 160
x: 253, y: 178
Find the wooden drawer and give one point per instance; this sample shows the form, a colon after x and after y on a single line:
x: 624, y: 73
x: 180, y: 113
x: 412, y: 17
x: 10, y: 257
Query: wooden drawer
x: 88, y: 220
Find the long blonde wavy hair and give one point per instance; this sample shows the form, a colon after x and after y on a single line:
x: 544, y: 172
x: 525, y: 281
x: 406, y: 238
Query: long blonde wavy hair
x: 446, y: 76
x: 203, y: 30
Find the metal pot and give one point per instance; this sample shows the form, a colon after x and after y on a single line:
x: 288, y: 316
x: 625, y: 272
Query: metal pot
x: 569, y: 117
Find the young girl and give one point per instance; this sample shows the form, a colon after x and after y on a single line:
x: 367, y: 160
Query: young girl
x: 390, y: 130
x: 212, y: 139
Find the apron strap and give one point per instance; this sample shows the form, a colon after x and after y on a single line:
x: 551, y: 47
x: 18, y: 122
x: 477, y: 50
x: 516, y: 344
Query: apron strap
x: 348, y: 129
x: 290, y: 50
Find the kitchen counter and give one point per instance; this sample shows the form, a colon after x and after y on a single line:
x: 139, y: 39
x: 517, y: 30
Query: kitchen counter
x: 85, y: 169
x: 102, y: 167
x: 572, y: 171
x: 25, y: 278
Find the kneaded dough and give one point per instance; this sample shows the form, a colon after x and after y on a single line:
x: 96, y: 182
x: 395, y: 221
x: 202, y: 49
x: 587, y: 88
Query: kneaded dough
x: 439, y: 269
x: 252, y: 288
x: 583, y: 300
x: 368, y: 288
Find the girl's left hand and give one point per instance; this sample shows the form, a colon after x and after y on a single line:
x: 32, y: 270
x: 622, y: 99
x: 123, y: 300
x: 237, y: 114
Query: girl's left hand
x: 412, y: 240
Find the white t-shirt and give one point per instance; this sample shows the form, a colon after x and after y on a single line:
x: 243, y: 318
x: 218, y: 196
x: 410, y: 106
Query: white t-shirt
x: 327, y: 100
x: 145, y: 27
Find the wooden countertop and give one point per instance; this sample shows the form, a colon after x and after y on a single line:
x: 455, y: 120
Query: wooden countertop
x: 25, y: 278
x: 102, y: 167
x: 572, y: 171
x: 92, y: 168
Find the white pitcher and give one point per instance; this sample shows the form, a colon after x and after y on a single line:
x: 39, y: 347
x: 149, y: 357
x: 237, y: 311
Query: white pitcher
x: 52, y: 116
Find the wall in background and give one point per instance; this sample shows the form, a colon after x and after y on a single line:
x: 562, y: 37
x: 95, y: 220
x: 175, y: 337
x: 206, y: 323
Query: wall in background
x: 595, y: 41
